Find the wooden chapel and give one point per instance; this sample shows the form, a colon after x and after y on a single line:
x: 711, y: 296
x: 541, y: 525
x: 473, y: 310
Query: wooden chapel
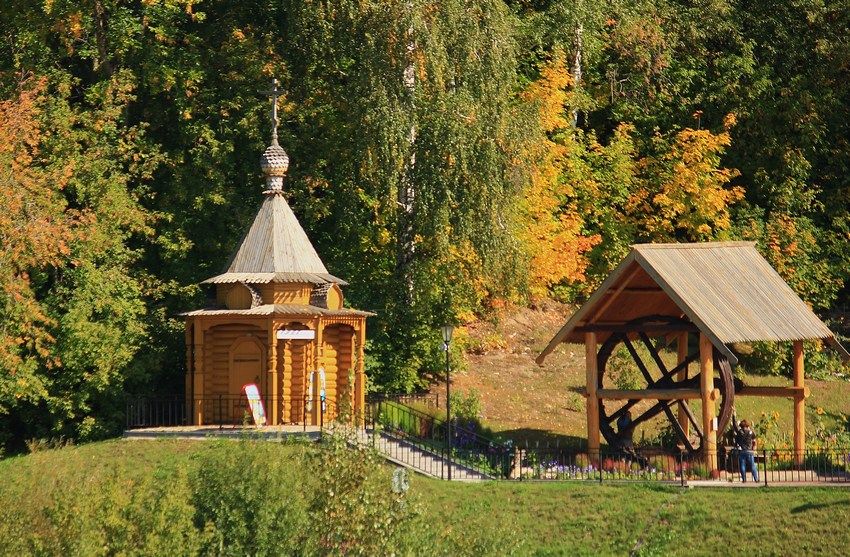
x: 278, y: 321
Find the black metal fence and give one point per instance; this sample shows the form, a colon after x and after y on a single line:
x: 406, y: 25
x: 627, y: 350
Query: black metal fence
x: 224, y: 410
x: 772, y: 466
x: 419, y: 439
x: 424, y: 439
x: 423, y: 399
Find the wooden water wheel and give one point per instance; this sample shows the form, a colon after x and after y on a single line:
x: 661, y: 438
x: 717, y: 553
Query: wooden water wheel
x: 657, y: 377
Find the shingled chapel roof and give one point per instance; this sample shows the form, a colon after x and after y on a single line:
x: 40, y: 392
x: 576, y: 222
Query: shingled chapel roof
x: 727, y: 289
x: 275, y: 249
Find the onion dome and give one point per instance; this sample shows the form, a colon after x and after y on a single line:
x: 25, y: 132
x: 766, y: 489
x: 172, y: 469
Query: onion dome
x: 274, y: 161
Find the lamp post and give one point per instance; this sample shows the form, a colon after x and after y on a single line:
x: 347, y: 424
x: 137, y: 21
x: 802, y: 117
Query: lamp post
x: 447, y: 339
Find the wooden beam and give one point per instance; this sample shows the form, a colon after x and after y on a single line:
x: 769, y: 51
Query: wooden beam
x: 776, y: 392
x: 624, y: 328
x: 360, y: 377
x: 592, y: 380
x: 616, y: 293
x: 654, y: 394
x: 799, y: 403
x: 273, y: 389
x: 190, y: 363
x: 682, y: 356
x: 709, y: 440
x: 198, y: 387
x: 637, y: 290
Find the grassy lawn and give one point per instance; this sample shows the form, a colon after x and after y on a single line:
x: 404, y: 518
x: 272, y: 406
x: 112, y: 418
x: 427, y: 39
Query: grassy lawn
x: 463, y: 519
x: 585, y: 519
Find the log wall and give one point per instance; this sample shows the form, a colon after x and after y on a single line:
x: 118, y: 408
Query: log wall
x: 217, y: 343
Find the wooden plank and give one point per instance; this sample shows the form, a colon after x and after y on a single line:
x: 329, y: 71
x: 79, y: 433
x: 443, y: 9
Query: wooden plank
x: 709, y: 440
x: 685, y: 307
x: 273, y: 379
x: 775, y: 391
x: 799, y: 403
x: 735, y: 292
x: 198, y: 387
x: 592, y: 379
x: 654, y: 394
x: 625, y: 328
x: 681, y: 357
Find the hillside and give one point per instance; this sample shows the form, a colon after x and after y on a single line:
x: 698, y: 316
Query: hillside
x: 527, y: 401
x: 150, y: 497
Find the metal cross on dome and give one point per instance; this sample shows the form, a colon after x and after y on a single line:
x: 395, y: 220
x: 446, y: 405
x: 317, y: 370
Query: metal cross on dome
x: 274, y: 93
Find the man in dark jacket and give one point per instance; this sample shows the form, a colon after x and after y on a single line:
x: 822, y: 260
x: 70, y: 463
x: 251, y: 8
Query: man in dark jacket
x: 745, y: 444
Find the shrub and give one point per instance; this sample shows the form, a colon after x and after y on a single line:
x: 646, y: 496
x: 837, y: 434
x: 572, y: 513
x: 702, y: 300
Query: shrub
x: 764, y: 358
x: 250, y: 500
x: 152, y: 516
x: 623, y: 369
x: 353, y: 508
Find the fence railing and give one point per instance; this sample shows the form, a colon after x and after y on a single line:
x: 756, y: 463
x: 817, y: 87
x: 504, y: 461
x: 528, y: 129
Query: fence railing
x: 773, y: 466
x: 224, y: 410
x: 425, y: 399
x: 424, y: 437
x: 421, y: 441
x: 777, y: 466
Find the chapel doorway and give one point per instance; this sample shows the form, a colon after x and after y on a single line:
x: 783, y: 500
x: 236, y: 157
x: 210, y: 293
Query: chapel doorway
x: 247, y: 363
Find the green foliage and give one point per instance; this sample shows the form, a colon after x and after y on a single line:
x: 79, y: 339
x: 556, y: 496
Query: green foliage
x: 229, y: 498
x: 149, y: 516
x: 466, y: 406
x: 622, y: 368
x: 249, y: 500
x: 353, y: 511
x: 575, y: 402
x: 765, y: 358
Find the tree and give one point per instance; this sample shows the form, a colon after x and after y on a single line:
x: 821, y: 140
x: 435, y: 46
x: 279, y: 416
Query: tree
x: 553, y: 232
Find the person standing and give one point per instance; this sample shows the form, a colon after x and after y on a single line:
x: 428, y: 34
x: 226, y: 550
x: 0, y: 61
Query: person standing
x: 745, y: 444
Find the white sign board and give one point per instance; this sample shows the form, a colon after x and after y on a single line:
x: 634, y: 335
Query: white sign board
x: 256, y: 403
x: 289, y: 334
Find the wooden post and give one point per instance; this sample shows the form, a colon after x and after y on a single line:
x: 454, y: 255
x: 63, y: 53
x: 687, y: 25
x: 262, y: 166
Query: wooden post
x: 318, y: 361
x: 706, y: 366
x: 359, y: 404
x: 190, y: 363
x: 198, y: 387
x: 273, y: 392
x: 592, y: 399
x: 682, y: 348
x: 799, y: 404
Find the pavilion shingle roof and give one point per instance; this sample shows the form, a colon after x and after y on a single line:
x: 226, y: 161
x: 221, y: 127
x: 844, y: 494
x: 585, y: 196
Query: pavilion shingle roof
x: 275, y: 249
x: 727, y: 289
x: 280, y: 309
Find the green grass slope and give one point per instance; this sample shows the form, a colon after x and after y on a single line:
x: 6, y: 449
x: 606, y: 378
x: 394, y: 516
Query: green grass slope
x: 137, y: 488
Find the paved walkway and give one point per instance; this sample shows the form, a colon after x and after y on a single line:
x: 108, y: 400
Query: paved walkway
x: 213, y: 431
x: 396, y: 451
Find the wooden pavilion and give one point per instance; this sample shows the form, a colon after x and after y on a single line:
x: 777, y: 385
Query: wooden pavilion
x: 702, y: 298
x: 278, y: 321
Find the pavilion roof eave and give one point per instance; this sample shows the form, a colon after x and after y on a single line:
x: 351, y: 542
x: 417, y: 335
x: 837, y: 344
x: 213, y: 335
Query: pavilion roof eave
x: 280, y: 277
x: 807, y: 327
x: 578, y: 317
x: 278, y: 309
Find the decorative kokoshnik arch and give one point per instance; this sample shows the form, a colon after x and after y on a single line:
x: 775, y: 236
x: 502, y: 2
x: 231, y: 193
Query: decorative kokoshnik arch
x: 714, y: 293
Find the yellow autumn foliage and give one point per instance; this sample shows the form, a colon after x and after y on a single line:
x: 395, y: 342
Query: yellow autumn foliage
x: 552, y: 234
x: 691, y: 199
